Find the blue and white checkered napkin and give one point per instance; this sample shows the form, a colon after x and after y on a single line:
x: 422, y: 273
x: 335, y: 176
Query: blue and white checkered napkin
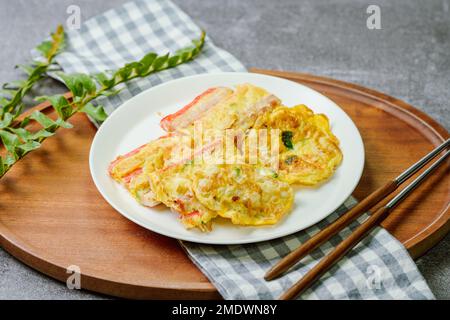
x: 127, y: 33
x: 378, y: 268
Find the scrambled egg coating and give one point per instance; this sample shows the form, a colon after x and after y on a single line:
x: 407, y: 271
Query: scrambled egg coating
x: 194, y: 183
x: 245, y: 194
x: 173, y: 187
x: 155, y: 155
x: 309, y: 151
x: 238, y: 111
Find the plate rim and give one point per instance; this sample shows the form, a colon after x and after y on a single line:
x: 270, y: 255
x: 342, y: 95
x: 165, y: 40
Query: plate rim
x: 193, y: 238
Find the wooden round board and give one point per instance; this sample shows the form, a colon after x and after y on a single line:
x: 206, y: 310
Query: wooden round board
x: 52, y: 216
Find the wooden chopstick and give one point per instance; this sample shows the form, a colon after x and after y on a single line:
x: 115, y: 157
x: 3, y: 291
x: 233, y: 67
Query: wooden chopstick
x: 344, y: 220
x: 374, y: 220
x: 332, y: 229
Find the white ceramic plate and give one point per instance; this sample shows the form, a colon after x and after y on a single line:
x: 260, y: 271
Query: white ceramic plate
x: 137, y: 122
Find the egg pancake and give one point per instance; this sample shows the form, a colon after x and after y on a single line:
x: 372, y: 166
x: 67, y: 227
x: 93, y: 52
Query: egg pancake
x: 157, y: 154
x: 132, y: 169
x: 220, y: 110
x: 173, y: 187
x: 309, y: 151
x: 193, y: 180
x: 195, y: 109
x: 245, y: 194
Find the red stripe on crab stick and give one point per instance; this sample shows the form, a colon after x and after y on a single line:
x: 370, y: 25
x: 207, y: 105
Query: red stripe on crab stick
x: 127, y: 155
x: 166, y: 122
x: 133, y: 152
x: 131, y: 175
x: 187, y: 215
x: 195, y: 109
x: 192, y: 214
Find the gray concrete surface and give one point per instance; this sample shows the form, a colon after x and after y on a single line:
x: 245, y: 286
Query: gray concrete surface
x: 408, y: 58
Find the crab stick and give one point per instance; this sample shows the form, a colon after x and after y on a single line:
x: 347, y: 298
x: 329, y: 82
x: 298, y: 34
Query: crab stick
x: 195, y: 109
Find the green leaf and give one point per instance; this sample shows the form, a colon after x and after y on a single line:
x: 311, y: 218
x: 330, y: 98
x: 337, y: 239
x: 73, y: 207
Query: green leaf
x: 50, y: 48
x: 5, y: 164
x: 27, y: 69
x: 72, y: 84
x: 185, y: 55
x: 10, y: 160
x: 79, y: 84
x: 95, y: 112
x: 131, y: 69
x: 48, y: 123
x: 147, y: 60
x: 23, y: 134
x: 41, y: 135
x: 103, y: 79
x: 14, y: 85
x: 87, y: 83
x: 28, y: 146
x: 111, y: 92
x: 6, y: 121
x: 134, y: 66
x: 18, y: 141
x: 3, y: 101
x: 44, y: 47
x: 189, y: 53
x: 124, y: 72
x: 195, y: 52
x: 19, y: 109
x: 160, y: 62
x: 10, y: 141
x: 173, y: 61
x: 60, y: 104
x: 7, y: 92
x: 37, y: 74
x: 58, y: 43
x: 24, y: 122
x: 64, y: 124
x: 26, y: 135
x: 42, y: 119
x: 35, y: 70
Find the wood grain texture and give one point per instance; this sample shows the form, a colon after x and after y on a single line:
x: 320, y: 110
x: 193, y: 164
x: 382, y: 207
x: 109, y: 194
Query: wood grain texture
x: 52, y: 216
x: 395, y: 136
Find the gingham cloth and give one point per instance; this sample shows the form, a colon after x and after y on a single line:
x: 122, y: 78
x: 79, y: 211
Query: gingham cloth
x: 378, y: 268
x: 127, y: 33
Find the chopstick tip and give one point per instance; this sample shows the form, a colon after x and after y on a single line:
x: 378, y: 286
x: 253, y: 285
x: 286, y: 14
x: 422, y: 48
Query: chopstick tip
x: 270, y: 275
x: 267, y: 277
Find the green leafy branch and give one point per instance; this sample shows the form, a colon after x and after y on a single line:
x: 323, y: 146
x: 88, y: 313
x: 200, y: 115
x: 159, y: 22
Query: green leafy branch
x: 12, y: 93
x: 84, y: 88
x: 17, y: 140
